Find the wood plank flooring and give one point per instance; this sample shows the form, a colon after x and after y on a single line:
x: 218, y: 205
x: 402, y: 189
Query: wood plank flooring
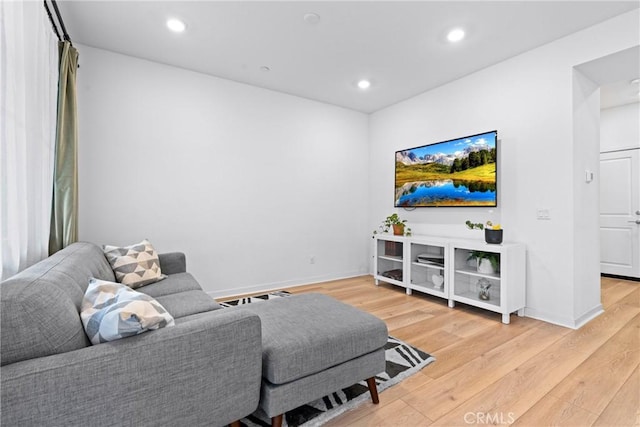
x: 528, y: 373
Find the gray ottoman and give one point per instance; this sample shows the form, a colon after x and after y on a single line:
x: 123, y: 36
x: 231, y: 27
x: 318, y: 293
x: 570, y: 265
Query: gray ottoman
x: 313, y: 345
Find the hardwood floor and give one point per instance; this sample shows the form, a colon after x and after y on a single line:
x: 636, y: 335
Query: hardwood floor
x: 528, y: 373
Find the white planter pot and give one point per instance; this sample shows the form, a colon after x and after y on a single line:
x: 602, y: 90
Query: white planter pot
x: 484, y: 266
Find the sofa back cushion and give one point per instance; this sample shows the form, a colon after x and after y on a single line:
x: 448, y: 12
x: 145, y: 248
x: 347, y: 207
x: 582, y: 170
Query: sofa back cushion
x: 40, y: 307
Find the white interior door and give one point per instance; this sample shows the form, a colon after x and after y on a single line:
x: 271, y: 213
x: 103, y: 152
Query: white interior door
x: 620, y: 213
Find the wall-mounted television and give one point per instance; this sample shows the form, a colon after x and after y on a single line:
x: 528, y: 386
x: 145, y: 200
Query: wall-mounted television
x: 460, y: 172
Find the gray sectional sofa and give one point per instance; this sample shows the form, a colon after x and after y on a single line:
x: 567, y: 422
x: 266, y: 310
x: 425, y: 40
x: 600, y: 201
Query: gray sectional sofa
x: 213, y: 367
x: 205, y: 370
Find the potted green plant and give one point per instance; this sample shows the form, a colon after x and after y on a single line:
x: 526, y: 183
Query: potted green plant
x: 474, y: 225
x: 486, y: 262
x: 492, y: 233
x: 394, y: 222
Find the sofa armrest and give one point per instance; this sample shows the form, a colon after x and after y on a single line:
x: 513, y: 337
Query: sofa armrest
x: 173, y: 262
x: 204, y: 371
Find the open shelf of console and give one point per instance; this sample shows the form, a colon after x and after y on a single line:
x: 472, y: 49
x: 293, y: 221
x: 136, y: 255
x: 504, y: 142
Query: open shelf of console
x: 475, y: 281
x: 426, y: 270
x: 390, y: 260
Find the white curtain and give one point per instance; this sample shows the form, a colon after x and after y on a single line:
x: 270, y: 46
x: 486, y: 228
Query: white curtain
x: 28, y: 92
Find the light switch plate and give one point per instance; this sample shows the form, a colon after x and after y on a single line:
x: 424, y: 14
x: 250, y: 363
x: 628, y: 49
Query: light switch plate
x: 588, y: 176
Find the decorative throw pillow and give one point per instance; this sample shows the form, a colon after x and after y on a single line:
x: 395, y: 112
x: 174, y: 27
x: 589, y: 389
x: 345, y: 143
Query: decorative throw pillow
x: 136, y: 265
x: 111, y: 311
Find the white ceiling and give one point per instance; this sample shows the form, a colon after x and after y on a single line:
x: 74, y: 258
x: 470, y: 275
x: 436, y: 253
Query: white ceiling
x: 619, y: 93
x: 615, y: 74
x: 400, y: 46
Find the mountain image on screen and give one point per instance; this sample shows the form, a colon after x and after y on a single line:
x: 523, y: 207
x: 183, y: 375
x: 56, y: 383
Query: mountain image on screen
x: 458, y: 172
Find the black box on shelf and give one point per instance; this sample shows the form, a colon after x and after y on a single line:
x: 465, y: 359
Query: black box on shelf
x: 395, y: 274
x: 393, y: 248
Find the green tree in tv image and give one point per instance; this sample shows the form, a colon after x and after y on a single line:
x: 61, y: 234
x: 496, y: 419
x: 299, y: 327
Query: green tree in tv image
x: 474, y: 160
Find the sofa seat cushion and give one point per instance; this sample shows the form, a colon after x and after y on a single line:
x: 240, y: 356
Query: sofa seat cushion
x: 187, y: 303
x: 306, y: 334
x: 173, y: 284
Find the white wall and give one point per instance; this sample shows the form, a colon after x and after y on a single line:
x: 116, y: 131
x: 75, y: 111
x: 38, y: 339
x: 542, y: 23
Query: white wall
x: 529, y: 100
x: 620, y: 128
x: 586, y: 193
x: 249, y: 183
x: 161, y: 145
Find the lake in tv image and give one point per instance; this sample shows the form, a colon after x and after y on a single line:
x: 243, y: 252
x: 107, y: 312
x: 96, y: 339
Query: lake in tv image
x: 460, y: 172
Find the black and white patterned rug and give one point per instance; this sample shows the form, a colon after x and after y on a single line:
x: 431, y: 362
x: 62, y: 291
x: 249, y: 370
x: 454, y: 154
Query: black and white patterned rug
x: 403, y: 360
x: 255, y: 299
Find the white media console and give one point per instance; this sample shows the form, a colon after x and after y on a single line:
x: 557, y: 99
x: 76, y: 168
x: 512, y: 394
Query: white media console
x: 445, y: 268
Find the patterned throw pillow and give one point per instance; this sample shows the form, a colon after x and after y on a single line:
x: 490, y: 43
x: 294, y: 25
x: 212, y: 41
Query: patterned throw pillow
x: 111, y: 311
x: 136, y: 265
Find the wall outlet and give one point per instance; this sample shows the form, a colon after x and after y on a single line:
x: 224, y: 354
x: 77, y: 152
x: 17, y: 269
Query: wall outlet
x: 543, y: 213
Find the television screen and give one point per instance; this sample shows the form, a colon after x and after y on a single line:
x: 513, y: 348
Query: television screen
x: 459, y: 172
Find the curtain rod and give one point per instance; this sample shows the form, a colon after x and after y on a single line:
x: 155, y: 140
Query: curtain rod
x: 55, y: 28
x: 60, y: 21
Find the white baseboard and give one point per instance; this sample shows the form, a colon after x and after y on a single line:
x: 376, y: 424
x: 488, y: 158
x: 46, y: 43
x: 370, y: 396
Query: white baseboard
x: 275, y: 286
x: 567, y: 322
x: 563, y: 321
x: 589, y: 316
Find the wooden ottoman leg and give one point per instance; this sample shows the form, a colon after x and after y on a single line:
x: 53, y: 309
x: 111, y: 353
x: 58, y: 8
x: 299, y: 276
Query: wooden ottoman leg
x: 277, y: 421
x: 373, y: 389
x: 235, y: 424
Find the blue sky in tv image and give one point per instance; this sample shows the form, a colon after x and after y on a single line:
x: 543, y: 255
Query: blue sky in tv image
x: 456, y: 146
x: 459, y: 172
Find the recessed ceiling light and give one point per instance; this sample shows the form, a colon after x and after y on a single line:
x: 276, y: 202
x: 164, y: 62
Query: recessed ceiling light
x: 311, y: 18
x: 635, y: 81
x: 176, y: 25
x: 265, y: 69
x: 455, y: 35
x: 364, y: 84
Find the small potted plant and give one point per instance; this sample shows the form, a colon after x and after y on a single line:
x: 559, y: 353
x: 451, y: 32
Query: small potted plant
x: 474, y: 225
x: 492, y: 233
x: 486, y: 262
x: 394, y: 222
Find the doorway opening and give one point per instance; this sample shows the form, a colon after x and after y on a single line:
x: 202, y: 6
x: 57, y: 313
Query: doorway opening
x: 618, y: 172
